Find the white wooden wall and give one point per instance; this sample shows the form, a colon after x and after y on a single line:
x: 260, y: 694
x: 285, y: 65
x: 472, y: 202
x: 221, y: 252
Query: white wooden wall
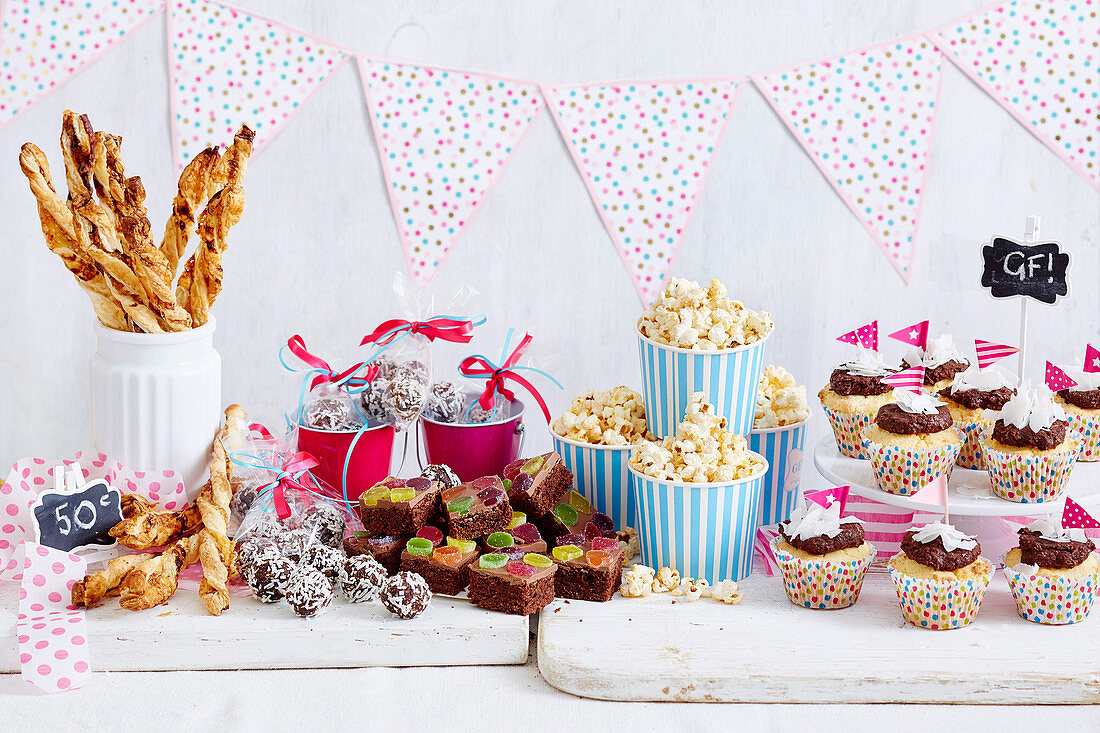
x: 317, y: 248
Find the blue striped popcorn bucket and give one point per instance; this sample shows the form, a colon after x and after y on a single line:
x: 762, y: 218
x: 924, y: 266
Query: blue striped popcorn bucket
x: 601, y: 476
x: 728, y: 377
x: 701, y: 530
x: 782, y: 447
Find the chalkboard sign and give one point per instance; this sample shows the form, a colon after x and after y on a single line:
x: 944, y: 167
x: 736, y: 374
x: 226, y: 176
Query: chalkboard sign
x: 68, y: 520
x: 1036, y: 271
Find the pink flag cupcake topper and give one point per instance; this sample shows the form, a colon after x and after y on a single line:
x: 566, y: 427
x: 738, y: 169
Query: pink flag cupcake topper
x: 1058, y: 380
x: 917, y: 335
x: 935, y: 492
x: 1092, y: 359
x: 1075, y: 517
x: 828, y: 497
x: 990, y: 353
x: 865, y: 336
x: 911, y: 379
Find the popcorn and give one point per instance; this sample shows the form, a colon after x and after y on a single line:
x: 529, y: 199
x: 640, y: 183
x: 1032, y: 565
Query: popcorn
x: 637, y: 582
x: 779, y: 401
x: 628, y: 540
x: 727, y: 591
x: 702, y: 451
x: 689, y: 316
x: 692, y: 589
x: 604, y: 417
x: 667, y: 580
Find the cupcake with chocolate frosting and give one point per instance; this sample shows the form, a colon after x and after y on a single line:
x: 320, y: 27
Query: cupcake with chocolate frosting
x: 1029, y: 452
x: 1082, y: 407
x: 940, y: 576
x: 974, y: 396
x: 854, y: 394
x: 1052, y: 573
x: 941, y: 361
x: 912, y: 443
x: 823, y: 557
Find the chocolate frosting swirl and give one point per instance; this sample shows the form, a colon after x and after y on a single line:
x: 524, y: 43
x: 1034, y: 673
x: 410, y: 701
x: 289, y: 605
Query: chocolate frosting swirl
x: 851, y: 535
x: 1025, y: 437
x: 1052, y: 554
x: 1085, y: 399
x: 935, y: 556
x: 977, y: 399
x: 848, y: 384
x: 893, y: 419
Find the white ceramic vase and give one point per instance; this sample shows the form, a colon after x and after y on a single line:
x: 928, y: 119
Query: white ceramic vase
x: 157, y: 399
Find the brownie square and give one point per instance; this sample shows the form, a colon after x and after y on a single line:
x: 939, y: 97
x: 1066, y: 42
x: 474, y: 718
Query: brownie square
x: 449, y: 580
x: 384, y: 510
x: 537, y: 494
x: 386, y: 549
x: 574, y: 515
x: 525, y: 536
x: 500, y: 590
x: 578, y: 579
x: 476, y: 508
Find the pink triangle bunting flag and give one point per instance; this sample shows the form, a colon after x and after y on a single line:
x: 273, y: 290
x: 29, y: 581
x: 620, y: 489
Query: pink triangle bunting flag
x: 1075, y: 517
x: 934, y: 492
x: 443, y: 137
x: 828, y: 497
x: 917, y: 335
x: 1037, y: 59
x: 1056, y: 379
x: 228, y: 68
x: 911, y: 379
x: 866, y: 120
x: 644, y: 150
x: 990, y: 353
x: 43, y: 44
x: 1092, y: 359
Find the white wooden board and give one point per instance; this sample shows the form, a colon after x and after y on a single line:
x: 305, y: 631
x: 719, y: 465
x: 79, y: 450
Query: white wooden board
x: 768, y: 650
x: 968, y: 491
x: 181, y: 635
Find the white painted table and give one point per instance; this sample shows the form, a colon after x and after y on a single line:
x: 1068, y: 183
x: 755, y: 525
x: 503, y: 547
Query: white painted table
x: 769, y: 650
x: 181, y: 635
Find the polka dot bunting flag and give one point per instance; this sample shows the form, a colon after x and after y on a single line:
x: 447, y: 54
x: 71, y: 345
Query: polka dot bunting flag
x: 1073, y: 515
x: 866, y: 119
x: 444, y: 138
x: 644, y: 150
x: 1038, y: 59
x: 53, y: 649
x: 227, y: 68
x: 1057, y: 379
x: 42, y: 44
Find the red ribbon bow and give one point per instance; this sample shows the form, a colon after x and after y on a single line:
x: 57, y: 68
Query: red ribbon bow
x: 297, y: 347
x: 458, y: 331
x: 292, y: 467
x: 477, y: 366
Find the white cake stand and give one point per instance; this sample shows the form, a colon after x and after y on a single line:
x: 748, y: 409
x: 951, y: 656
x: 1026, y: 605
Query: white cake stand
x: 968, y: 492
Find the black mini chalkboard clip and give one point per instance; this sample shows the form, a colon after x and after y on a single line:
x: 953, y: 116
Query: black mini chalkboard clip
x: 77, y: 514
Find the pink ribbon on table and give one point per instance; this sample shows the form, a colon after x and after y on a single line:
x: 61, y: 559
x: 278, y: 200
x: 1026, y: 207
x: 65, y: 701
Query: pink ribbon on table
x: 479, y: 366
x: 456, y: 330
x: 297, y: 347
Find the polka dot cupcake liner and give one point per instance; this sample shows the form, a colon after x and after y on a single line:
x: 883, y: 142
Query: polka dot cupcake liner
x: 821, y: 584
x: 939, y: 605
x: 970, y: 455
x: 1028, y: 479
x: 1086, y: 431
x: 848, y: 428
x: 904, y: 471
x: 1051, y: 601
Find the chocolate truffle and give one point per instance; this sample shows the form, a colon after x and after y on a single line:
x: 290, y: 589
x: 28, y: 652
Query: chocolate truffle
x: 406, y: 595
x: 267, y: 577
x: 445, y: 402
x: 441, y: 473
x: 406, y: 396
x: 325, y: 523
x: 293, y: 543
x: 249, y: 552
x: 308, y: 591
x: 330, y: 413
x: 328, y: 560
x: 363, y: 578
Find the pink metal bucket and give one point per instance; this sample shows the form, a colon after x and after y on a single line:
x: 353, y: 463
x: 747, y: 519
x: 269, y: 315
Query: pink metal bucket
x: 475, y: 450
x: 369, y: 464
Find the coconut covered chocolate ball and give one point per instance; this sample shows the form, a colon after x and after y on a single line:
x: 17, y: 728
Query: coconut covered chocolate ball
x: 325, y: 523
x: 406, y: 595
x: 308, y: 592
x: 328, y: 560
x: 268, y: 577
x: 441, y: 473
x: 363, y: 578
x: 445, y: 401
x: 251, y: 551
